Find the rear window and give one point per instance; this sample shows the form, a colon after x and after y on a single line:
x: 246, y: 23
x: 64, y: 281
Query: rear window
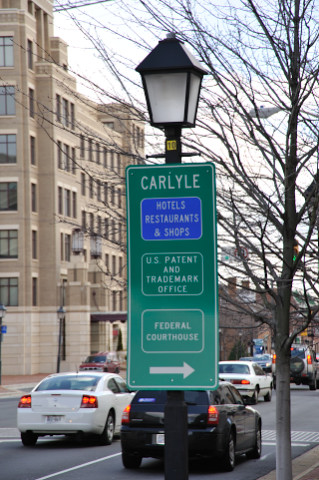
x: 233, y: 368
x: 298, y: 353
x: 69, y: 383
x: 192, y: 397
x: 95, y: 359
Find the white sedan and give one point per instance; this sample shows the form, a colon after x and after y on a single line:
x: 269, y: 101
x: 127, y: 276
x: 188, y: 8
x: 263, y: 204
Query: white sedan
x: 249, y: 378
x: 74, y: 404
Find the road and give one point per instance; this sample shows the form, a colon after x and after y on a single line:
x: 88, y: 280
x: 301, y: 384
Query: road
x: 63, y: 459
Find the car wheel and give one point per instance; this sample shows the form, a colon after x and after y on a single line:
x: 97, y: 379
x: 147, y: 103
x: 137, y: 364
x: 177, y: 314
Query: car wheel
x: 254, y: 398
x: 130, y: 460
x: 106, y: 437
x: 274, y: 381
x: 313, y: 385
x: 256, y: 451
x: 268, y: 396
x: 229, y: 459
x: 29, y: 439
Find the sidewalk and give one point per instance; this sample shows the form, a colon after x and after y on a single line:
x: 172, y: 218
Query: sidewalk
x: 305, y: 467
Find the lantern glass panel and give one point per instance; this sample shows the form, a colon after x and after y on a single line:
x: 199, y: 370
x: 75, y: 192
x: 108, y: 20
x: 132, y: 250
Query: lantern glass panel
x: 195, y: 82
x: 167, y: 96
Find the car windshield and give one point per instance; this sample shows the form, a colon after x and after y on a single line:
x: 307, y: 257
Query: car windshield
x: 259, y: 358
x: 95, y: 359
x: 69, y: 382
x: 233, y: 368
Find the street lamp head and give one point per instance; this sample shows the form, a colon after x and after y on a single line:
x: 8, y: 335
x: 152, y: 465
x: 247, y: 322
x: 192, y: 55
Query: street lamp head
x: 3, y: 311
x: 61, y: 313
x: 77, y: 241
x: 171, y: 78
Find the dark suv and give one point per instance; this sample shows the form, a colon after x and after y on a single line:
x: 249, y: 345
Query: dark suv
x: 219, y: 425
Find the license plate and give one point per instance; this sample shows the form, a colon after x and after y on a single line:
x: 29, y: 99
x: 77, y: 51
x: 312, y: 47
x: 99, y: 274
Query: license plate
x: 160, y: 439
x: 53, y: 418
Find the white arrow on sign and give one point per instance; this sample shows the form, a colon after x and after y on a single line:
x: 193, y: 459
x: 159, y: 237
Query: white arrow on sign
x: 186, y: 370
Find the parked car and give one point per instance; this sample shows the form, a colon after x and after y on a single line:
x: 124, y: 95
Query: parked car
x: 303, y: 366
x: 74, y: 404
x: 263, y: 360
x: 219, y: 426
x: 102, y: 362
x: 249, y: 378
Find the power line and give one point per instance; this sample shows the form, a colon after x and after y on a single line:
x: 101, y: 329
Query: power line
x: 69, y: 6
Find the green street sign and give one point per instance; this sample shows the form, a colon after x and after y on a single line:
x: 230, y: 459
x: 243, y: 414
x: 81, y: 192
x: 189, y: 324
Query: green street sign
x: 172, y: 277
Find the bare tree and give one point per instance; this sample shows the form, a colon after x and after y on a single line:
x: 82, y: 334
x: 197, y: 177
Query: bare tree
x: 256, y: 53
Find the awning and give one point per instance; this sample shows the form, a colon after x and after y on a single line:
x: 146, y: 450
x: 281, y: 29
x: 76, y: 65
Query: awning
x: 109, y: 317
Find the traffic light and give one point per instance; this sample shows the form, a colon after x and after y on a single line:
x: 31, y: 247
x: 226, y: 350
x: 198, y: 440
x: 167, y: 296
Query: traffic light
x: 296, y: 250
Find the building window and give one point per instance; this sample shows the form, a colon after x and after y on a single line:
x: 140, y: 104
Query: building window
x: 67, y: 203
x: 7, y: 101
x: 113, y: 265
x: 99, y: 225
x: 73, y: 160
x: 65, y: 115
x: 107, y: 262
x: 8, y: 243
x: 59, y: 147
x: 6, y: 51
x: 82, y: 146
x: 34, y: 291
x: 60, y: 200
x: 8, y: 196
x: 98, y: 160
x: 74, y: 205
x: 34, y: 244
x: 58, y: 108
x: 119, y: 198
x: 66, y: 162
x: 112, y: 160
x: 98, y: 191
x: 72, y: 116
x: 83, y: 220
x: 30, y: 54
x: 61, y: 246
x: 33, y: 197
x: 105, y: 192
x: 106, y: 227
x: 31, y: 102
x: 9, y: 291
x: 32, y: 150
x: 91, y: 187
x: 91, y: 222
x: 67, y: 247
x: 104, y: 157
x: 90, y: 150
x: 120, y: 266
x: 114, y: 295
x: 121, y: 300
x: 83, y: 183
x: 112, y: 195
x: 8, y: 148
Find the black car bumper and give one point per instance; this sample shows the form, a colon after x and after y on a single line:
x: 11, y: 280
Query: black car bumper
x: 206, y: 443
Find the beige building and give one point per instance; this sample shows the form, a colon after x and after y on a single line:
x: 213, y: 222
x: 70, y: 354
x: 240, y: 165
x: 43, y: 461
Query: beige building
x: 62, y: 161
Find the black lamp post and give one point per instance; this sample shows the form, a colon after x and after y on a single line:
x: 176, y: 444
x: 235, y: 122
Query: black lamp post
x: 61, y: 317
x: 172, y: 79
x: 3, y: 312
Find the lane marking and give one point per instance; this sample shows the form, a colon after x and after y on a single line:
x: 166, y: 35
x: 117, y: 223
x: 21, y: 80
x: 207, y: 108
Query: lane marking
x: 77, y: 467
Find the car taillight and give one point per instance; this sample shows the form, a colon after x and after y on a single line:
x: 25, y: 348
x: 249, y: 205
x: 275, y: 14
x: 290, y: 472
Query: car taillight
x: 240, y: 382
x: 309, y: 360
x: 89, y: 401
x: 213, y: 415
x: 126, y: 415
x: 274, y: 358
x: 25, y: 402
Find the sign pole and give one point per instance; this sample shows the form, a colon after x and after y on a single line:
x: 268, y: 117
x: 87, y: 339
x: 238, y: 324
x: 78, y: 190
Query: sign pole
x: 176, y: 419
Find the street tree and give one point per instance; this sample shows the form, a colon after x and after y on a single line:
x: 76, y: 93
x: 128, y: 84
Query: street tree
x: 258, y: 122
